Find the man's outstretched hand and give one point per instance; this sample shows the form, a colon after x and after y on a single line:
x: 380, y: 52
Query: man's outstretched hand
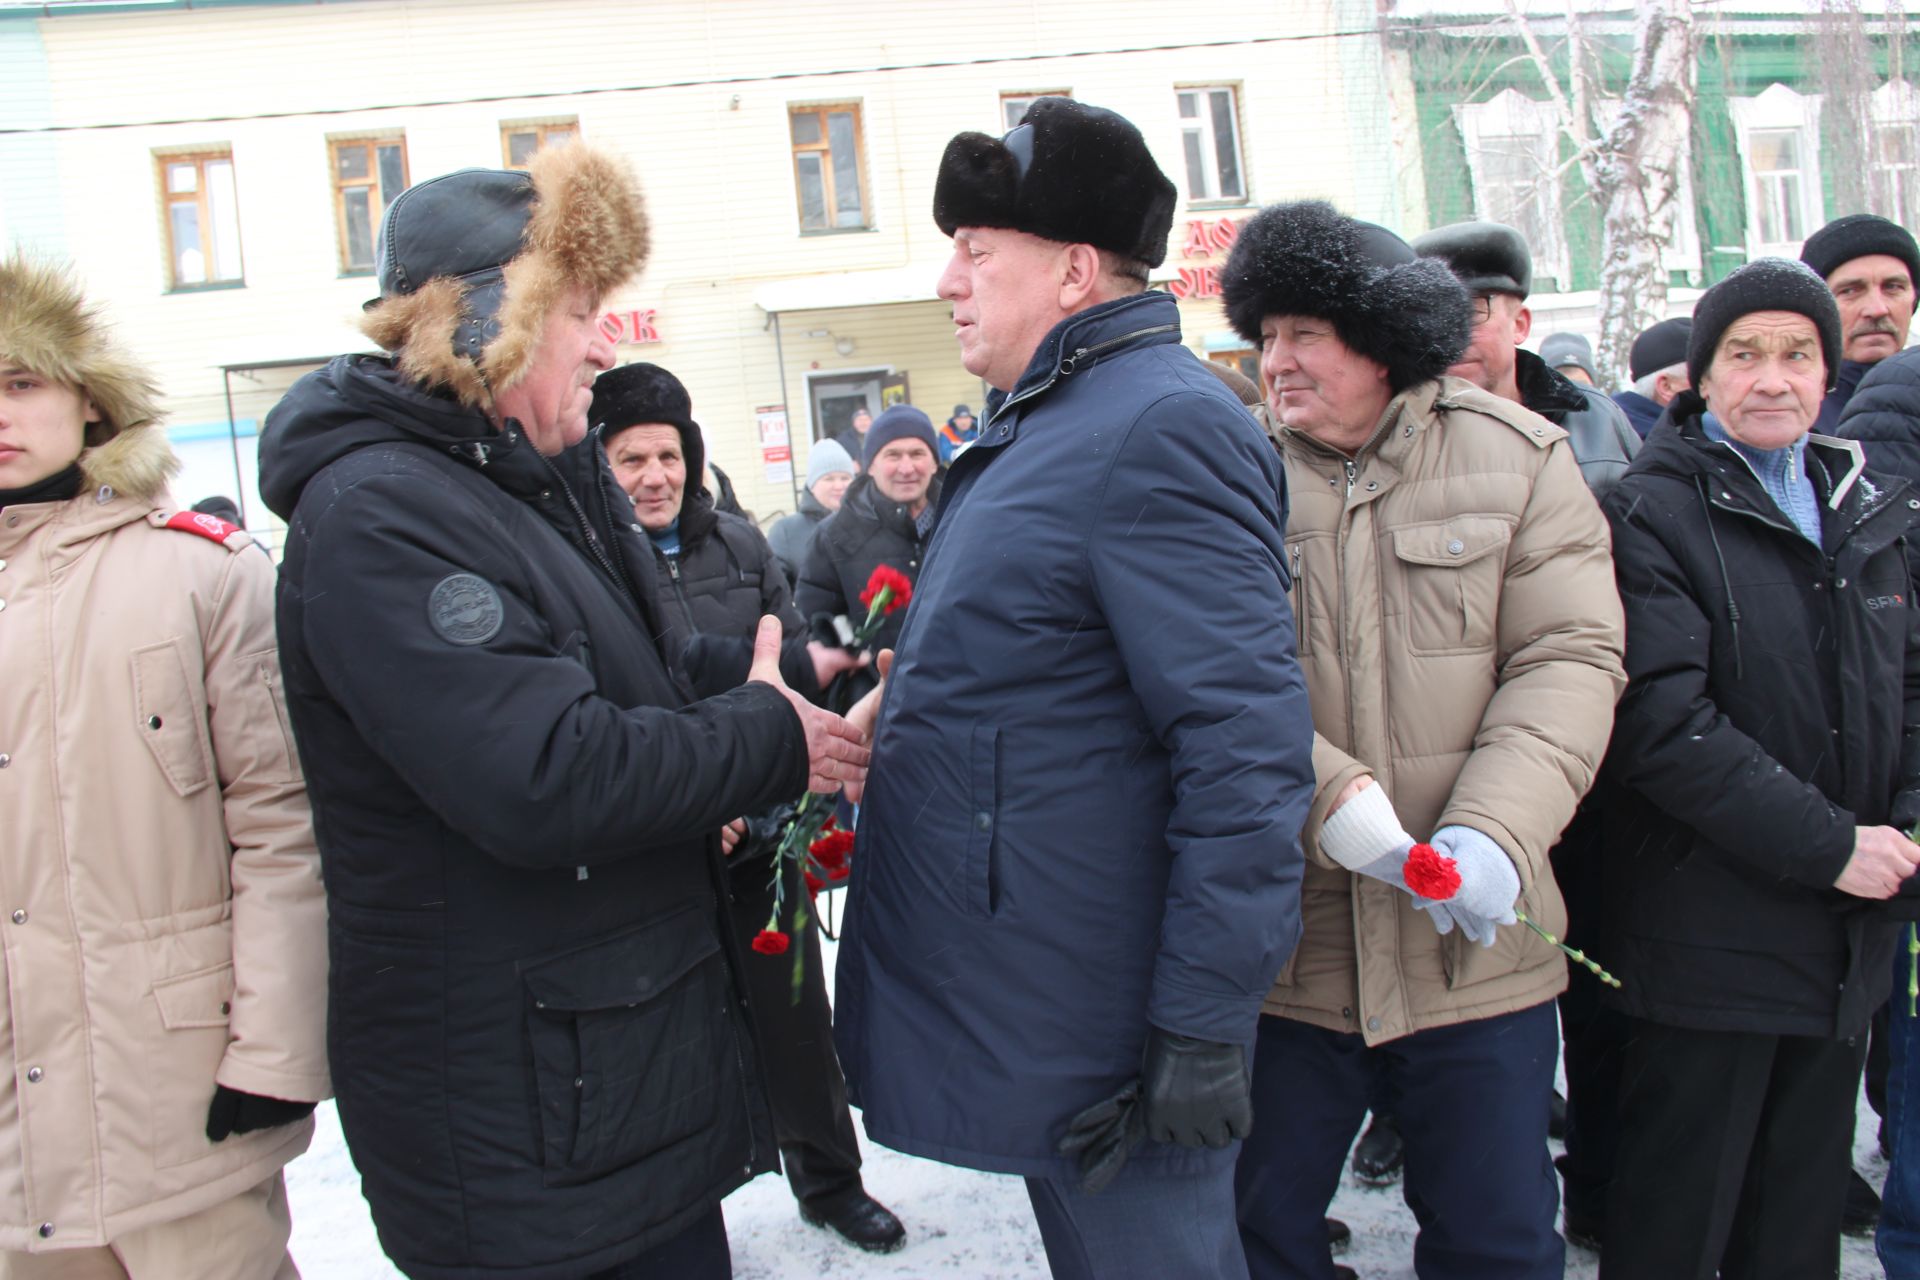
x: 836, y: 752
x: 864, y: 715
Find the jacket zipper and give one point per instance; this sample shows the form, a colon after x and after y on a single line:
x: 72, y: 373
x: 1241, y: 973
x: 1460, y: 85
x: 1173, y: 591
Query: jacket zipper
x: 686, y: 609
x: 586, y: 526
x: 1066, y: 366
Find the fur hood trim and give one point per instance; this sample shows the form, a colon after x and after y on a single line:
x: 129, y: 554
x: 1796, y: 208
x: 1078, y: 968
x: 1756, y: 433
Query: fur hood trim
x: 1407, y: 314
x: 136, y: 463
x: 587, y: 226
x: 47, y: 326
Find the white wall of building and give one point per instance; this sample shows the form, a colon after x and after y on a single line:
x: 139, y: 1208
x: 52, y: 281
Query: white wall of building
x: 696, y: 95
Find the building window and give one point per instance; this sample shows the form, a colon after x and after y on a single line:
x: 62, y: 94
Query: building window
x: 1778, y: 135
x: 367, y: 174
x: 1778, y: 186
x: 1210, y: 139
x: 203, y: 219
x: 518, y: 142
x: 1244, y: 361
x: 829, y: 173
x: 1013, y: 106
x: 1895, y: 168
x: 1513, y: 162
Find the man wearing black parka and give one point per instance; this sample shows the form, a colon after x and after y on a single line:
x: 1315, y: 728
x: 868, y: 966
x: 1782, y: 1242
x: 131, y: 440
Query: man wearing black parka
x: 1764, y: 763
x: 538, y: 1031
x: 717, y: 577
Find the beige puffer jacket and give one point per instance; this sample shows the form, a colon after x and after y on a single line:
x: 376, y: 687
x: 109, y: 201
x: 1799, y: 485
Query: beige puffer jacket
x: 1461, y: 639
x: 161, y: 915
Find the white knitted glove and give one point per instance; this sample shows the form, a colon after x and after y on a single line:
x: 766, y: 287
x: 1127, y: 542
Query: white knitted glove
x: 1489, y: 885
x: 1366, y: 838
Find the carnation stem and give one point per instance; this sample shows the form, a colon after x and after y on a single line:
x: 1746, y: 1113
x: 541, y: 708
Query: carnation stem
x: 1572, y: 954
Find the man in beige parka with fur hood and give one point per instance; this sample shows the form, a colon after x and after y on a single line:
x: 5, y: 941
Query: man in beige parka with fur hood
x: 163, y: 921
x: 1461, y: 638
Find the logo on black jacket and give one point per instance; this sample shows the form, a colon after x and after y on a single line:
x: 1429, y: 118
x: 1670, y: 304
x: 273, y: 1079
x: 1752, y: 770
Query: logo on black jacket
x: 1886, y: 602
x: 465, y: 609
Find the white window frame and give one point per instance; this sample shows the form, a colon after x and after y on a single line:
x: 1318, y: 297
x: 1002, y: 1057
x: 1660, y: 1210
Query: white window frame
x: 1895, y: 104
x: 1779, y: 109
x: 1023, y: 98
x: 1511, y: 114
x: 1209, y: 147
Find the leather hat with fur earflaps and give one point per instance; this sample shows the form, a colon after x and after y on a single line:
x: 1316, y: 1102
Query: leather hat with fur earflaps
x: 472, y: 263
x: 48, y: 327
x: 1066, y: 172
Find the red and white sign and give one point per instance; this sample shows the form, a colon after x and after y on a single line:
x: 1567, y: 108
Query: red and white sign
x: 631, y: 327
x: 1205, y: 239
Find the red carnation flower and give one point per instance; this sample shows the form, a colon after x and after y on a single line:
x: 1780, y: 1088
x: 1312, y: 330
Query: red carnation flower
x: 769, y: 943
x: 886, y: 577
x: 831, y: 849
x: 839, y: 873
x: 814, y: 883
x: 1431, y: 874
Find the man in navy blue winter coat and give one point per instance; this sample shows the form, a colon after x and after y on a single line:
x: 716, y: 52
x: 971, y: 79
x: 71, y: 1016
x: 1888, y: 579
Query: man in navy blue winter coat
x: 1079, y: 864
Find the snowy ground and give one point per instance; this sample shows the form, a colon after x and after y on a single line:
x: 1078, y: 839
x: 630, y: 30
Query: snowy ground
x: 972, y: 1226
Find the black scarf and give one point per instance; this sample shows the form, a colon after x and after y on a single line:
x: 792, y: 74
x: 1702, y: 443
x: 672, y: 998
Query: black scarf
x: 57, y: 487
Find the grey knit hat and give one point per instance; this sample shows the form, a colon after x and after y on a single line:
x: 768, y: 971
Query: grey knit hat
x: 826, y: 457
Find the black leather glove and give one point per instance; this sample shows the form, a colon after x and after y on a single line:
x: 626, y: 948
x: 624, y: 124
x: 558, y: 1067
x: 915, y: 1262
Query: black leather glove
x: 1101, y: 1137
x: 1195, y: 1093
x: 236, y: 1112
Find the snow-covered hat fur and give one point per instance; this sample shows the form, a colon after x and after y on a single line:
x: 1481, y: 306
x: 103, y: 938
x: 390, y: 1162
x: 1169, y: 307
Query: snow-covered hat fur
x: 1407, y: 314
x: 48, y: 327
x: 472, y: 263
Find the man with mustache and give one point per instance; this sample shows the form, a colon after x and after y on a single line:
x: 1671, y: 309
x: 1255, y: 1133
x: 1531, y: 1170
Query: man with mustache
x: 1870, y: 265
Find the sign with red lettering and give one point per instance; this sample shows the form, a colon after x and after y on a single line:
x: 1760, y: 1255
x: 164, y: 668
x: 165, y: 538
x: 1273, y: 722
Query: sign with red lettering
x: 632, y: 327
x: 1196, y: 282
x: 1204, y: 239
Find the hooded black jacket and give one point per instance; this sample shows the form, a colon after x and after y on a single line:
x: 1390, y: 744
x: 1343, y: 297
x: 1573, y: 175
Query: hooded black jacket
x: 1884, y: 415
x: 867, y: 531
x: 536, y: 1027
x: 1603, y: 441
x: 1772, y: 705
x: 713, y: 592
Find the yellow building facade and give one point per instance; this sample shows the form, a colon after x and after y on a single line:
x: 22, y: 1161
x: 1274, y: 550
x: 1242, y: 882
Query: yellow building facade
x: 215, y: 172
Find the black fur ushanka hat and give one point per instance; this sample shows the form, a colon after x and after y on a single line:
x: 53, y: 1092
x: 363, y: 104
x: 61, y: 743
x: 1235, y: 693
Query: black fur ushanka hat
x: 1066, y: 172
x: 1407, y: 314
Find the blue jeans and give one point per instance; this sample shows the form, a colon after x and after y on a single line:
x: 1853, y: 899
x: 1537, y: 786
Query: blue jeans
x: 1147, y: 1225
x: 1898, y: 1239
x: 1471, y: 1103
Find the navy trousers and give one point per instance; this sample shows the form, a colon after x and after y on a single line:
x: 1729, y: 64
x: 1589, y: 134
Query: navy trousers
x: 1147, y: 1225
x: 1471, y: 1102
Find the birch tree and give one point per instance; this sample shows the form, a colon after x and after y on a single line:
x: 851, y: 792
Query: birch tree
x: 1631, y: 157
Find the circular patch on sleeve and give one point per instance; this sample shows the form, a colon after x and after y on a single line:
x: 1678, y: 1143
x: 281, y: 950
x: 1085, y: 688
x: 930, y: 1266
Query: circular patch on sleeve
x: 465, y: 609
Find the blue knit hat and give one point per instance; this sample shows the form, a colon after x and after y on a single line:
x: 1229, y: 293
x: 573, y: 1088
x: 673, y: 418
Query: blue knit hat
x: 902, y: 422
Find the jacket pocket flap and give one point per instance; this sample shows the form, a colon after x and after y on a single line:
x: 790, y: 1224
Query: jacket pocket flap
x: 201, y: 999
x: 1451, y: 543
x: 627, y: 969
